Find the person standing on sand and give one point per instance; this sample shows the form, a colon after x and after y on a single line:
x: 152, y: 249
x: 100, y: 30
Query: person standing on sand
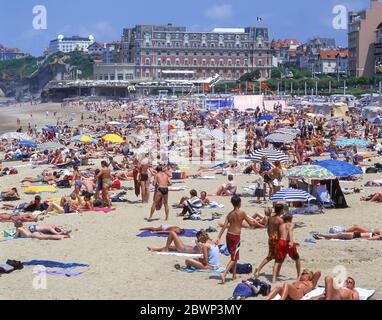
x: 286, y: 246
x: 145, y: 178
x: 273, y: 237
x: 234, y: 223
x: 105, y: 175
x: 162, y: 182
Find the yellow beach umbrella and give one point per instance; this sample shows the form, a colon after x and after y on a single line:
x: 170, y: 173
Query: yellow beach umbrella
x: 113, y: 138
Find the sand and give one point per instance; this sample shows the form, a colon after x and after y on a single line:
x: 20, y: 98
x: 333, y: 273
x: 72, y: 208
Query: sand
x: 122, y: 268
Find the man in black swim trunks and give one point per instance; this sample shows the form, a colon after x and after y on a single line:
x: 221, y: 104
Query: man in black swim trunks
x: 161, y: 182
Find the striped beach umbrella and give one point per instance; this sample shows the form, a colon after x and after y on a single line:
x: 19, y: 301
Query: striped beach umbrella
x: 272, y: 155
x: 310, y: 172
x: 279, y: 138
x: 292, y: 195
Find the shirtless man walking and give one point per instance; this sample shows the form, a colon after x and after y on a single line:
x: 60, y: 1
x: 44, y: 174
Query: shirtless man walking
x: 234, y: 223
x: 347, y: 292
x: 286, y: 246
x: 105, y: 175
x: 161, y: 181
x: 273, y: 237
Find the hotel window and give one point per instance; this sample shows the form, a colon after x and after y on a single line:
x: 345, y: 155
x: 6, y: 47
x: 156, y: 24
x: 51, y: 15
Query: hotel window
x: 168, y: 62
x: 195, y: 62
x: 221, y: 62
x: 238, y: 62
x: 230, y: 63
x: 204, y: 62
x: 177, y: 44
x: 186, y: 62
x: 106, y: 77
x: 120, y: 77
x: 147, y: 74
x: 212, y: 62
x: 246, y: 62
x: 112, y: 77
x: 260, y: 62
x: 147, y: 62
x: 212, y: 45
x: 177, y: 62
x: 159, y: 62
x: 100, y: 77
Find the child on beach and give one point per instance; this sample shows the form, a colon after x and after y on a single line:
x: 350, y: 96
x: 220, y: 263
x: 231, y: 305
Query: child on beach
x: 234, y: 223
x: 286, y: 246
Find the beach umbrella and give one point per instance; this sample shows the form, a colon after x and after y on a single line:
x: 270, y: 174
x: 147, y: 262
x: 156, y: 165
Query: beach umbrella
x: 280, y: 138
x: 311, y: 172
x: 141, y: 117
x: 352, y: 143
x: 50, y: 146
x: 113, y: 138
x: 340, y: 169
x: 272, y: 155
x: 82, y: 138
x: 265, y: 118
x: 27, y: 143
x: 292, y: 195
x: 15, y: 136
x: 115, y: 123
x: 291, y: 131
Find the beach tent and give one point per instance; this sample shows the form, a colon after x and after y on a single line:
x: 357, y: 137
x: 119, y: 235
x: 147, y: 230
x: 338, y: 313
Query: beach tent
x: 272, y: 155
x: 336, y: 194
x: 340, y: 109
x: 340, y: 169
x: 292, y: 195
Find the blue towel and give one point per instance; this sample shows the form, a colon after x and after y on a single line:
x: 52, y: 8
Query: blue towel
x: 193, y: 269
x: 54, y: 264
x: 190, y: 233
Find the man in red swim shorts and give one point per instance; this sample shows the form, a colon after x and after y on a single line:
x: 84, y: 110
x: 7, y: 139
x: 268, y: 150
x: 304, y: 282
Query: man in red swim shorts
x: 234, y: 223
x: 286, y: 246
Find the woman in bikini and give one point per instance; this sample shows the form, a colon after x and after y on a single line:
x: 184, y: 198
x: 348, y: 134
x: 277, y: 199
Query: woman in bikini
x: 165, y: 229
x: 297, y: 290
x: 161, y: 182
x: 33, y: 233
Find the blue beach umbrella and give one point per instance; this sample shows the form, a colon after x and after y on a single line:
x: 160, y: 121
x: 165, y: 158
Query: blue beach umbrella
x: 340, y: 169
x: 29, y: 144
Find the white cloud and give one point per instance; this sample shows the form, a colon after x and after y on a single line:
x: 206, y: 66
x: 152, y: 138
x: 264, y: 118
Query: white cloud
x: 220, y: 12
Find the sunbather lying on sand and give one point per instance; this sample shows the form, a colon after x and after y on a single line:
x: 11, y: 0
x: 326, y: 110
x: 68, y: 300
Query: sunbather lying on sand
x: 350, y: 235
x: 297, y: 290
x: 373, y: 198
x: 179, y: 246
x: 10, y: 193
x: 41, y: 233
x: 5, y: 217
x: 347, y: 292
x: 164, y: 230
x: 374, y: 183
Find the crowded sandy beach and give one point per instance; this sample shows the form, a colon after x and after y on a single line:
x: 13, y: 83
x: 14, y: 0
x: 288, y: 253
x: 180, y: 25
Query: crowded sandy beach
x: 161, y: 199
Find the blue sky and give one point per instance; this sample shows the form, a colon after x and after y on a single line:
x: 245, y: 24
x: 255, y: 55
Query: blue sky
x: 105, y: 20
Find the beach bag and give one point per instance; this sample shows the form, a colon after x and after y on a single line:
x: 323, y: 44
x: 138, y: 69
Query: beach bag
x: 63, y: 184
x: 244, y: 268
x: 9, y: 233
x: 371, y: 170
x: 116, y: 185
x: 17, y: 265
x: 13, y: 172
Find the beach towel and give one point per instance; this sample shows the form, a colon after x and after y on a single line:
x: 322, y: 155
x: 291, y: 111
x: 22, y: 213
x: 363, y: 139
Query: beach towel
x: 193, y: 269
x: 40, y: 189
x: 364, y: 294
x: 54, y: 264
x: 66, y: 273
x: 104, y: 210
x: 206, y: 178
x: 178, y: 254
x: 214, y: 205
x: 190, y: 233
